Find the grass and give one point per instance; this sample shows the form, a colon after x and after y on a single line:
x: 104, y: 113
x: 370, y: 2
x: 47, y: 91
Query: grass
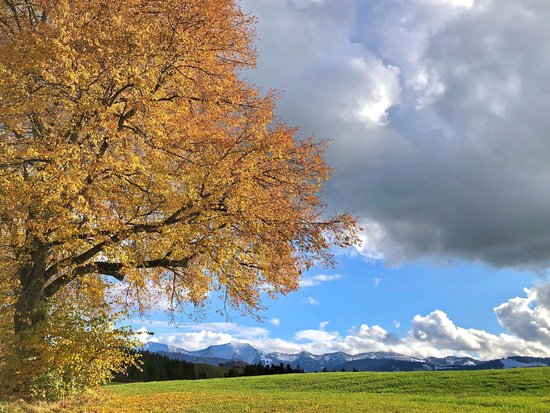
x: 211, y: 372
x: 520, y: 390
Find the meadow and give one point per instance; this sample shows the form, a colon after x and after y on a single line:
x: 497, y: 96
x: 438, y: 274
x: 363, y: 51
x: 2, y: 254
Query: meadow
x: 517, y: 390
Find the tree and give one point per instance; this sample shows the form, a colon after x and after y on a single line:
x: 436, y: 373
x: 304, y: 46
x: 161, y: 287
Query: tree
x: 132, y: 154
x: 66, y: 352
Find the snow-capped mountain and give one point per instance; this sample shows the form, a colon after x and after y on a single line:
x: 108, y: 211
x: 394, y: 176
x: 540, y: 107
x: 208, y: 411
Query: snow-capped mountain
x: 213, y: 355
x: 387, y: 355
x: 453, y: 362
x: 308, y: 361
x: 372, y: 361
x: 231, y: 351
x: 515, y: 362
x: 162, y: 348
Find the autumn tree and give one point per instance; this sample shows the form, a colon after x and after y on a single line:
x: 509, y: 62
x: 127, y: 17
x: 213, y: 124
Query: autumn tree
x: 133, y: 155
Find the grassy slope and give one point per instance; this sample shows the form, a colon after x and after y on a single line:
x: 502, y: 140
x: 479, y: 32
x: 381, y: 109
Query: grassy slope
x: 521, y: 390
x: 211, y: 371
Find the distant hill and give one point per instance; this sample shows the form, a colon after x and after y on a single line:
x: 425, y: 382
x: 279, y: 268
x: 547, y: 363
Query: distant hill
x: 213, y: 355
x: 371, y: 361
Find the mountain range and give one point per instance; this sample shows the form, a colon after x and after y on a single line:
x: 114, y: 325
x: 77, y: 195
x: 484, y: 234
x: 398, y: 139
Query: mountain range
x: 371, y: 361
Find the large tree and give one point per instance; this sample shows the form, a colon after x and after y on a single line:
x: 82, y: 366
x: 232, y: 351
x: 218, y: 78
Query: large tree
x: 133, y: 153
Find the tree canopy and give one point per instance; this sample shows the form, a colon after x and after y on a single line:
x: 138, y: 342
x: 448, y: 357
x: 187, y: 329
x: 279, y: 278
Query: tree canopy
x: 133, y: 153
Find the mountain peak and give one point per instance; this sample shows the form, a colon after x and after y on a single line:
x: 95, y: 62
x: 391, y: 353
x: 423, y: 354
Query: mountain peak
x: 154, y: 347
x: 236, y: 346
x: 231, y: 351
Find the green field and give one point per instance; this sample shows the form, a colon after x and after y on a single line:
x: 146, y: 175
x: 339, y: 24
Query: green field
x: 519, y: 390
x: 211, y: 372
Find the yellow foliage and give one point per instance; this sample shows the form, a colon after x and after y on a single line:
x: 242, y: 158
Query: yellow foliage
x: 65, y: 353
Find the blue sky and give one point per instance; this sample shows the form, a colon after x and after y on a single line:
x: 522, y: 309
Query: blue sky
x: 437, y: 115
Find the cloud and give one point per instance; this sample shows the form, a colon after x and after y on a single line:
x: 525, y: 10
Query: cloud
x: 367, y: 338
x: 437, y: 116
x: 376, y: 282
x: 450, y: 3
x: 526, y: 319
x: 385, y: 92
x: 275, y: 321
x: 316, y: 280
x: 541, y: 294
x: 234, y: 329
x: 439, y: 331
x: 317, y: 336
x: 195, y: 336
x: 311, y: 301
x: 396, y: 324
x: 143, y: 335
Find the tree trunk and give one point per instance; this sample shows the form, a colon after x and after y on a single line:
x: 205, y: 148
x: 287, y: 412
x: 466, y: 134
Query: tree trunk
x: 29, y: 305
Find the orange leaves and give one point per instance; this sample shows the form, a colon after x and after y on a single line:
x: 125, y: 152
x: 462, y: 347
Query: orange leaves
x: 129, y: 144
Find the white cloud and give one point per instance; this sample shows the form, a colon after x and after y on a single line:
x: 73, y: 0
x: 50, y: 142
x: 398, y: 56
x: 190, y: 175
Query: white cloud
x: 275, y: 321
x: 236, y: 330
x: 323, y: 325
x: 467, y: 4
x: 371, y: 237
x: 377, y: 281
x: 198, y: 336
x: 316, y: 280
x: 396, y: 324
x: 529, y: 317
x: 311, y: 301
x: 384, y: 91
x: 317, y: 336
x: 436, y: 328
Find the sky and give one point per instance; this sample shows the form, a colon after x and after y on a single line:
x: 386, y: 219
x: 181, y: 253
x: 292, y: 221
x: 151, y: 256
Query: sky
x: 437, y: 115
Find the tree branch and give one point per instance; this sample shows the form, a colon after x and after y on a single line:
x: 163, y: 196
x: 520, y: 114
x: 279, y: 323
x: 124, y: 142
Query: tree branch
x: 112, y: 269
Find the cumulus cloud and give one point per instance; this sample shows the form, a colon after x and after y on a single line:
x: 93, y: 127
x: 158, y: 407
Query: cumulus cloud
x: 311, y: 301
x: 526, y: 319
x: 437, y: 116
x: 437, y: 329
x: 195, y: 336
x: 372, y: 106
x: 275, y: 321
x: 316, y: 336
x: 541, y: 294
x: 316, y: 280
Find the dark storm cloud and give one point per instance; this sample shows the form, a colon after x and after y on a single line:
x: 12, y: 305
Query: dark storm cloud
x: 438, y: 110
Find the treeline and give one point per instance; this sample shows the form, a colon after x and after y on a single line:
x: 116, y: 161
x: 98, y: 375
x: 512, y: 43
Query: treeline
x: 260, y: 370
x: 157, y: 367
